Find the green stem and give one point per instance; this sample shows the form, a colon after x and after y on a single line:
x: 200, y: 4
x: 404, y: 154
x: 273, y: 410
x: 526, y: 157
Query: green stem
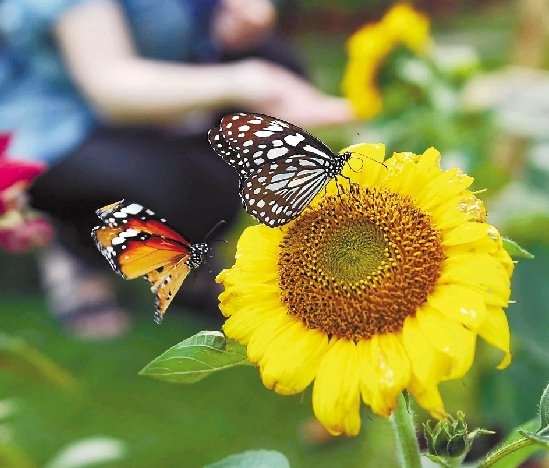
x: 404, y: 428
x: 502, y: 452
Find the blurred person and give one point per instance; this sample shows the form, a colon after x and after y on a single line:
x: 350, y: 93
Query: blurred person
x: 117, y: 96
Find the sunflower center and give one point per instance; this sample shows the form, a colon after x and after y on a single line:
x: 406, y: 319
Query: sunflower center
x: 359, y: 263
x: 354, y: 252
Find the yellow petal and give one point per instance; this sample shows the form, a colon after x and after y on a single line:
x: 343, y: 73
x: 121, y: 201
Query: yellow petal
x: 259, y: 240
x: 479, y: 271
x: 291, y: 359
x: 428, y: 363
x: 429, y: 162
x: 243, y: 296
x: 270, y: 328
x: 428, y: 397
x: 505, y: 259
x: 495, y: 330
x: 449, y: 337
x: 470, y: 233
x: 336, y: 395
x: 448, y: 215
x: 427, y: 168
x: 385, y: 371
x: 242, y: 325
x: 444, y: 186
x: 459, y: 303
x: 402, y: 174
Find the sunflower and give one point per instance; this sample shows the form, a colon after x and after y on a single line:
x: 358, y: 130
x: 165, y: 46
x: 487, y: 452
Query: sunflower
x: 369, y: 47
x: 381, y: 285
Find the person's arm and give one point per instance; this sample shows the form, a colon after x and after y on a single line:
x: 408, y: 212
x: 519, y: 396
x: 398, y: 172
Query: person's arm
x: 124, y: 87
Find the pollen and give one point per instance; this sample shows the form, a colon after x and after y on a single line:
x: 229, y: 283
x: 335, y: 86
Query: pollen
x: 359, y: 263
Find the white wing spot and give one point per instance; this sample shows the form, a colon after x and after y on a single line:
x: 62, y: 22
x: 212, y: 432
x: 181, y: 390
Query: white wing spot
x: 312, y: 149
x: 248, y: 143
x: 129, y: 233
x: 263, y: 133
x: 132, y: 208
x: 244, y: 128
x: 294, y: 139
x: 276, y: 152
x: 118, y: 240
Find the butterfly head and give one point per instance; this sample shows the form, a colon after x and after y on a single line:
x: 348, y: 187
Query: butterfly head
x: 198, y: 254
x: 345, y: 156
x: 338, y: 163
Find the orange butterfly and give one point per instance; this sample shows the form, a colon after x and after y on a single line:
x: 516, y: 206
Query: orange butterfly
x: 136, y: 242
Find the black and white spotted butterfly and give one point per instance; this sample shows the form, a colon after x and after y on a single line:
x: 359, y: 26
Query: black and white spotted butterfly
x: 281, y: 166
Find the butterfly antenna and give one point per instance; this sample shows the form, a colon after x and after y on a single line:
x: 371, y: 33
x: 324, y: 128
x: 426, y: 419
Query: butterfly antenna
x: 361, y: 166
x: 372, y: 159
x: 215, y: 228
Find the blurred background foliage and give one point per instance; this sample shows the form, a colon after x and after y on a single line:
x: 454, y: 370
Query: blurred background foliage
x: 489, y: 119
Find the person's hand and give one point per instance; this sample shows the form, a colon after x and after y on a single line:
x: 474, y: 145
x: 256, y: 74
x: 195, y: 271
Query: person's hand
x: 270, y: 89
x: 241, y: 24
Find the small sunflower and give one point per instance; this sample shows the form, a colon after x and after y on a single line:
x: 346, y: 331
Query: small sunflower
x: 369, y: 47
x: 381, y: 285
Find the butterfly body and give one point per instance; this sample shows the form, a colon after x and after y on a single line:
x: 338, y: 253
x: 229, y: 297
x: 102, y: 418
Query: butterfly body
x: 281, y: 167
x: 136, y: 243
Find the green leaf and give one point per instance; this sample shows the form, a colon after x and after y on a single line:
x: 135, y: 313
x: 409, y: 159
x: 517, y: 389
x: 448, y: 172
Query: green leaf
x: 197, y: 357
x: 253, y: 459
x: 515, y: 250
x: 17, y: 356
x: 544, y: 409
x: 538, y: 439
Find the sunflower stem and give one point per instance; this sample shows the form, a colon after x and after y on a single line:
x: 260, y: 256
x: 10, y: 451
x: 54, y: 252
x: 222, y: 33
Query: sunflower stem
x: 402, y: 421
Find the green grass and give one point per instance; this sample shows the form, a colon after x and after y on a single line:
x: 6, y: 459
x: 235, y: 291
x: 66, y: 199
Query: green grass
x: 161, y: 424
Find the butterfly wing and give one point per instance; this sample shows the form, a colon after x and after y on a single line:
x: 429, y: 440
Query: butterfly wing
x: 281, y: 166
x: 136, y: 243
x: 278, y: 192
x: 222, y: 147
x: 248, y: 141
x: 136, y: 216
x: 165, y: 282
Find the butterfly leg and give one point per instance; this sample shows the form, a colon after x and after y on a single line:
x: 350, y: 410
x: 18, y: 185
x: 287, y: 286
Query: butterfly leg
x: 347, y: 178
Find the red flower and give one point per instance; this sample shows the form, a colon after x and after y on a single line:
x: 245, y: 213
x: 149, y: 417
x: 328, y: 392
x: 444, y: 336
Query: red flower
x: 15, y: 176
x: 20, y: 229
x: 25, y: 235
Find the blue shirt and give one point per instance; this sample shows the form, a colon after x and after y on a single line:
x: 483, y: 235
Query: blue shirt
x: 39, y: 103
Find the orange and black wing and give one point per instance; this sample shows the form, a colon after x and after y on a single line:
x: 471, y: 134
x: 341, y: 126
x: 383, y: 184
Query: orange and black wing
x: 136, y: 243
x: 165, y: 282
